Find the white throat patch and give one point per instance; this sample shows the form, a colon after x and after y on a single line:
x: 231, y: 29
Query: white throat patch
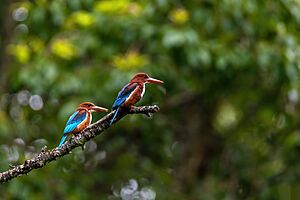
x: 143, y: 92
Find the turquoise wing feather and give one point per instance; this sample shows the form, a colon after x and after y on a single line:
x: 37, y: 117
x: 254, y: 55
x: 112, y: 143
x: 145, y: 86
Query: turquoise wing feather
x: 72, y: 123
x: 121, y: 98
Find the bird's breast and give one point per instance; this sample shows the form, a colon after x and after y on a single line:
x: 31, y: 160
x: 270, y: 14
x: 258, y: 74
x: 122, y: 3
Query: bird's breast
x: 135, y: 96
x: 85, y: 123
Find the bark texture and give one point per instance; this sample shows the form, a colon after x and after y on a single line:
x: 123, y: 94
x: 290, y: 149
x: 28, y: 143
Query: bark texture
x: 46, y: 156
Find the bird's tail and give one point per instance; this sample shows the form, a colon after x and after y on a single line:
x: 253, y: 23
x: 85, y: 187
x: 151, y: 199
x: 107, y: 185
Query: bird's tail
x: 63, y: 139
x: 114, y: 116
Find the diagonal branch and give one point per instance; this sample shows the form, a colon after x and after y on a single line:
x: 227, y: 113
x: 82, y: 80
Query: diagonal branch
x: 46, y: 156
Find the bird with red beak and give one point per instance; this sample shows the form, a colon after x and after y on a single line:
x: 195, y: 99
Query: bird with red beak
x: 132, y: 92
x: 80, y: 119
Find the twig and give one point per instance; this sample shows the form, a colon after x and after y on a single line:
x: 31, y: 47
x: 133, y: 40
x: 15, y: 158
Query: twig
x: 46, y: 156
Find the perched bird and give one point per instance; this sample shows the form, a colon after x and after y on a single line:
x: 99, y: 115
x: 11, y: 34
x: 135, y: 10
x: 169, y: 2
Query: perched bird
x: 132, y: 92
x: 80, y: 119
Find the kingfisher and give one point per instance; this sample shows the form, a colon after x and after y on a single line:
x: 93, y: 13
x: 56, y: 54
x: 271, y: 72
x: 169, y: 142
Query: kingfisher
x: 132, y: 92
x: 80, y: 119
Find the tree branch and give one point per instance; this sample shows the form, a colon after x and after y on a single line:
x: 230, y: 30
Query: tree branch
x: 46, y: 156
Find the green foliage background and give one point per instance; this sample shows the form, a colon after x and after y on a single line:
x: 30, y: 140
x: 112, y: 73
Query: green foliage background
x: 229, y: 121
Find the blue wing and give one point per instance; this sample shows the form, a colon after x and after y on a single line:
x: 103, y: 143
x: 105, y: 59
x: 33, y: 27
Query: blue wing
x: 124, y: 94
x: 74, y: 121
x: 121, y: 98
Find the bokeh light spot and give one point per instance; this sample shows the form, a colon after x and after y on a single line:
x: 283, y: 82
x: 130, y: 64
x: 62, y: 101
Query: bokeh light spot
x: 20, y: 14
x: 36, y: 102
x: 23, y: 97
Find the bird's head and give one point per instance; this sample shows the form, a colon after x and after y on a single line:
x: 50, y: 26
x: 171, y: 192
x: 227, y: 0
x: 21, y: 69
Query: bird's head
x: 91, y: 107
x: 144, y: 78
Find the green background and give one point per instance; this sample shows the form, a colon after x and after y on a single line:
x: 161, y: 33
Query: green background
x: 229, y: 121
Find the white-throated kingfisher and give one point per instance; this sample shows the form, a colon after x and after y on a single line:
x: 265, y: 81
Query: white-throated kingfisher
x: 132, y: 92
x: 80, y: 119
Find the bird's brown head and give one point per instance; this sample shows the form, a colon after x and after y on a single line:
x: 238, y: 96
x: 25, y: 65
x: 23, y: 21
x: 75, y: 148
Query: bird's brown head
x: 144, y: 78
x: 91, y: 107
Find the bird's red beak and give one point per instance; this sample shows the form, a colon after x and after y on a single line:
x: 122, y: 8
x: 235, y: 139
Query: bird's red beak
x: 153, y: 80
x: 99, y: 109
